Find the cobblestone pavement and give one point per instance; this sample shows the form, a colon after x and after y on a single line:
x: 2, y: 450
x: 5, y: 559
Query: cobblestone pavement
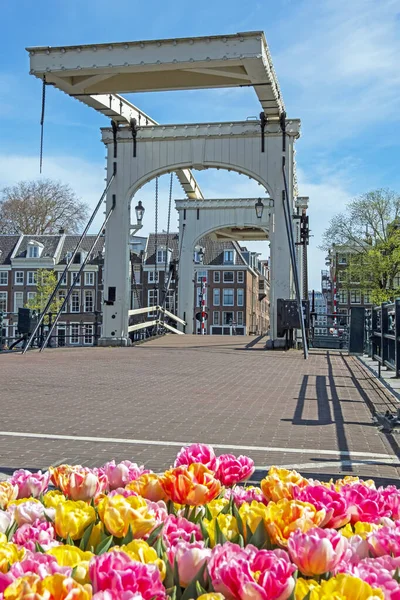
x: 89, y: 405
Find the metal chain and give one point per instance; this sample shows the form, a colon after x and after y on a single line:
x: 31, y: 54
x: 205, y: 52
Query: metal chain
x: 171, y: 181
x: 42, y: 120
x: 156, y: 240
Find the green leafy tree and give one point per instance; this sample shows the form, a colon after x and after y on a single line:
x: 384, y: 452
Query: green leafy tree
x: 46, y: 282
x: 368, y: 231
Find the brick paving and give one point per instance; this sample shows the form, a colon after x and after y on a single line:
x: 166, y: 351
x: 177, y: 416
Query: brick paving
x: 313, y: 414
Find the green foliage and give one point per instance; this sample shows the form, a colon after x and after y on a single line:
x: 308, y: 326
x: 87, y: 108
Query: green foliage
x: 46, y: 282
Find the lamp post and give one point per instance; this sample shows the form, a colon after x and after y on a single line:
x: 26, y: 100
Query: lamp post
x: 259, y: 207
x: 139, y: 210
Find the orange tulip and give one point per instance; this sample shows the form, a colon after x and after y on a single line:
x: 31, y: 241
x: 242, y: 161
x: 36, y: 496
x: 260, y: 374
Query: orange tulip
x: 284, y: 517
x: 148, y: 486
x: 280, y: 483
x: 194, y: 485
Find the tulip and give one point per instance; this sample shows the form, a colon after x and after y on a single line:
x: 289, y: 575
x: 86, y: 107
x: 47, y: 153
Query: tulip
x: 79, y: 483
x: 211, y: 596
x: 194, y: 485
x: 5, y: 521
x: 245, y: 494
x: 39, y: 532
x: 391, y: 495
x: 303, y: 587
x: 29, y: 511
x: 9, y: 554
x: 30, y: 484
x: 345, y: 587
x: 36, y: 563
x: 385, y: 541
x: 231, y: 469
x: 117, y: 571
x: 317, y: 551
x: 121, y: 474
x: 365, y: 503
x: 215, y: 506
x: 148, y: 486
x: 378, y: 573
x: 338, y: 511
x: 281, y: 483
x: 119, y: 513
x: 53, y: 587
x: 74, y: 558
x: 190, y: 557
x: 227, y: 525
x: 252, y: 515
x: 197, y: 453
x: 286, y: 516
x: 179, y: 528
x: 52, y: 498
x: 140, y: 551
x: 8, y: 493
x: 72, y: 518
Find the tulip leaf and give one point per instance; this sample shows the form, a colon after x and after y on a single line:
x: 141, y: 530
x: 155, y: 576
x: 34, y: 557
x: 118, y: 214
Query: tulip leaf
x: 259, y: 538
x: 103, y: 546
x: 191, y: 590
x: 159, y: 547
x: 308, y: 596
x: 198, y: 517
x: 169, y: 574
x: 209, y: 583
x: 74, y: 570
x: 69, y: 541
x: 396, y: 575
x: 129, y: 536
x: 155, y: 534
x: 238, y: 518
x: 41, y: 498
x: 86, y: 536
x: 208, y: 513
x: 11, y: 530
x: 204, y: 531
x: 171, y: 508
x: 176, y: 580
x: 186, y: 511
x: 171, y: 592
x: 240, y: 541
x: 249, y: 533
x: 199, y: 589
x: 227, y: 509
x: 219, y: 535
x: 39, y: 548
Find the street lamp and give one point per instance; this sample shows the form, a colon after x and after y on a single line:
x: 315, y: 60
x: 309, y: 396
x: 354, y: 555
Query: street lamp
x: 259, y: 206
x: 139, y: 210
x: 200, y: 255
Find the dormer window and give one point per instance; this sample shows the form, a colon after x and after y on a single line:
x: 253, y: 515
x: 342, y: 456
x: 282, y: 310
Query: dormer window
x: 35, y: 249
x: 229, y: 257
x: 162, y: 256
x: 79, y: 257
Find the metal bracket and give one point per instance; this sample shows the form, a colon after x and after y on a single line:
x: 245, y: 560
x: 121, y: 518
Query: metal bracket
x: 114, y: 126
x: 134, y: 130
x: 263, y: 122
x: 282, y: 121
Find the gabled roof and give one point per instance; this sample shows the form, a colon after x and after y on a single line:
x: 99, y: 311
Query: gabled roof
x: 49, y: 243
x: 7, y: 246
x: 71, y: 241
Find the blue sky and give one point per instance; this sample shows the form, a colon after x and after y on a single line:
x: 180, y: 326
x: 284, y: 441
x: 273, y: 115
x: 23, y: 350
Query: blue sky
x: 336, y: 61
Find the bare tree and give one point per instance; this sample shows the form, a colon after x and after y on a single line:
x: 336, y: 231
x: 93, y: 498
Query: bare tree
x: 40, y: 207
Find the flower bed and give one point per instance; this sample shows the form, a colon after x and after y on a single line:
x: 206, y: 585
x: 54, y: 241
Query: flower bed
x: 122, y: 532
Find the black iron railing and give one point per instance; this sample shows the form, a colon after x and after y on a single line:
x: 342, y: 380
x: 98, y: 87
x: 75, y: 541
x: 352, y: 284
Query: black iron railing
x: 382, y: 335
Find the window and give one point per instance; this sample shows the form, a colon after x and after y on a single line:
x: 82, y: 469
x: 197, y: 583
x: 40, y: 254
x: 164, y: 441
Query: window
x: 61, y: 333
x: 367, y: 298
x: 229, y: 256
x: 216, y: 297
x: 19, y: 278
x: 64, y: 279
x: 18, y: 301
x: 136, y: 276
x: 355, y: 297
x: 3, y: 277
x: 239, y: 317
x: 240, y: 297
x: 3, y: 301
x: 33, y: 251
x: 161, y: 256
x: 170, y: 301
x: 240, y: 276
x: 152, y: 278
x: 199, y: 296
x: 342, y: 297
x: 75, y: 333
x: 88, y: 334
x: 61, y: 297
x: 68, y: 256
x: 88, y: 301
x: 32, y: 278
x: 341, y: 276
x: 217, y: 276
x: 229, y: 277
x: 76, y: 278
x: 89, y: 278
x: 75, y: 302
x: 201, y: 275
x: 227, y: 318
x: 216, y: 317
x: 152, y: 296
x: 31, y: 296
x: 342, y: 259
x: 228, y: 299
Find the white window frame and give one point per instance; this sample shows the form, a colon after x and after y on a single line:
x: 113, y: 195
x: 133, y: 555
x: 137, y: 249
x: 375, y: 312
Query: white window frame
x: 170, y: 301
x: 75, y: 294
x: 225, y: 312
x: 343, y: 296
x: 218, y: 292
x: 240, y: 292
x: 72, y: 343
x: 62, y: 327
x: 151, y: 278
x: 64, y: 279
x: 162, y: 255
x: 16, y: 282
x: 4, y: 274
x: 154, y: 301
x: 200, y: 275
x: 367, y: 298
x: 230, y: 291
x: 33, y: 251
x: 89, y: 278
x: 355, y: 293
x: 199, y: 290
x: 29, y: 277
x: 217, y: 277
x: 74, y: 275
x: 225, y: 280
x: 227, y: 261
x: 240, y: 277
x: 87, y: 294
x: 216, y: 321
x: 61, y: 296
x: 15, y: 302
x: 30, y: 296
x: 342, y: 259
x: 3, y: 298
x: 86, y: 335
x: 239, y: 312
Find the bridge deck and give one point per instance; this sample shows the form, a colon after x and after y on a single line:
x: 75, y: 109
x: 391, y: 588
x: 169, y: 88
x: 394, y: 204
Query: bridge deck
x: 89, y: 405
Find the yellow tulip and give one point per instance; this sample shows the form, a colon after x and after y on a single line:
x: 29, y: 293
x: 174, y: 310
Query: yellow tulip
x: 211, y: 596
x: 9, y: 554
x: 350, y: 479
x: 286, y: 516
x: 118, y: 513
x: 53, y: 498
x: 280, y: 483
x: 54, y: 587
x: 215, y: 506
x: 346, y: 587
x: 140, y: 551
x: 360, y: 528
x: 227, y: 525
x: 252, y: 514
x: 3, y: 538
x: 72, y: 518
x: 95, y: 535
x: 74, y: 557
x: 8, y: 492
x: 23, y: 500
x: 303, y: 586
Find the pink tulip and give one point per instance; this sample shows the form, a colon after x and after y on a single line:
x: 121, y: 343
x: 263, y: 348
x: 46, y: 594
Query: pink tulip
x: 158, y: 510
x: 391, y: 495
x: 179, y: 528
x: 338, y: 511
x: 30, y: 484
x: 114, y: 595
x: 41, y: 532
x: 35, y: 563
x: 123, y: 473
x: 242, y: 494
x: 233, y: 469
x: 365, y: 503
x: 29, y: 512
x: 385, y: 541
x: 378, y: 573
x: 190, y: 558
x: 317, y: 551
x: 122, y: 492
x: 84, y: 485
x: 117, y: 571
x: 232, y: 570
x: 197, y: 453
x: 5, y: 521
